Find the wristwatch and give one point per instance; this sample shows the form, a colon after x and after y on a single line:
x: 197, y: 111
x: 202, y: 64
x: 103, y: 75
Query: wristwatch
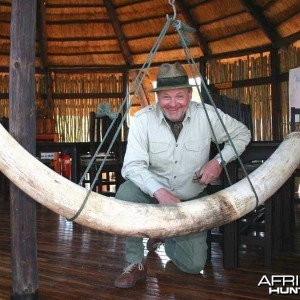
x: 219, y: 160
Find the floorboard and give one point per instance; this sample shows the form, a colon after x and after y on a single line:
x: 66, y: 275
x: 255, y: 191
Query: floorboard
x: 79, y: 263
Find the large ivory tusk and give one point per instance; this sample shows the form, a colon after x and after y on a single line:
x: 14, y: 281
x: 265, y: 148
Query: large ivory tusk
x: 119, y: 217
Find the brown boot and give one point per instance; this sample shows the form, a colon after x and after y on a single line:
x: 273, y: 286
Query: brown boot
x: 154, y: 244
x: 131, y: 275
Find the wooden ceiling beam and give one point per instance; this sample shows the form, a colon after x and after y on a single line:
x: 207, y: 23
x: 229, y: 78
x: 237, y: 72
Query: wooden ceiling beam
x: 3, y: 3
x: 237, y: 13
x: 79, y: 21
x: 85, y: 53
x: 224, y: 37
x: 5, y: 21
x: 86, y: 69
x: 96, y: 38
x: 144, y: 36
x: 269, y: 4
x: 190, y: 21
x: 174, y: 48
x: 4, y: 37
x: 287, y: 18
x: 137, y: 19
x: 74, y: 5
x: 266, y: 26
x: 119, y: 32
x: 290, y: 39
x: 132, y: 3
x: 237, y: 53
x: 81, y: 38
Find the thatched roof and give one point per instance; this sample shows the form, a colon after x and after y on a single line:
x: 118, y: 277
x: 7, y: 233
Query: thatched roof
x: 120, y: 33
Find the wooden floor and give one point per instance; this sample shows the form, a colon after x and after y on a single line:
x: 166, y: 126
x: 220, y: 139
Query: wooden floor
x: 79, y: 263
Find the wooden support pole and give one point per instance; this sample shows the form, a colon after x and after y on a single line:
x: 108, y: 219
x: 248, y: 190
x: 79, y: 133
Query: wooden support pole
x: 22, y: 115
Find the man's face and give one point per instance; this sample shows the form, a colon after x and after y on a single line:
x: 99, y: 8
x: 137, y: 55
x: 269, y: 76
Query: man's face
x: 174, y: 103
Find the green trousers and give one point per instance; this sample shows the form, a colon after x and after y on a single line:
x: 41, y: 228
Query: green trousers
x: 188, y: 252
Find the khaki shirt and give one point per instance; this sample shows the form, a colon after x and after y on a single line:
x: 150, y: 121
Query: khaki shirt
x: 154, y: 159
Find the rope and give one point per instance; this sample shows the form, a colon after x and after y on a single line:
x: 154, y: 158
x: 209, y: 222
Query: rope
x: 180, y: 30
x: 135, y: 85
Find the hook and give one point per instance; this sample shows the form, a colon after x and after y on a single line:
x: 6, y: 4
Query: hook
x: 172, y: 3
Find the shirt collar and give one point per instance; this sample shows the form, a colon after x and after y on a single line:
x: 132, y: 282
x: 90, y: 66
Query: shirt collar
x: 160, y: 114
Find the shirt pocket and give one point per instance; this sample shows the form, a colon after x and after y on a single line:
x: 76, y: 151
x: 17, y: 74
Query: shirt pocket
x: 158, y: 155
x: 196, y: 154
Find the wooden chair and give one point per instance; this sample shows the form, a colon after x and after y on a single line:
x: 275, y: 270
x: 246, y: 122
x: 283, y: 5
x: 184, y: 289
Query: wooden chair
x: 243, y: 113
x: 271, y: 225
x: 110, y: 177
x: 294, y: 112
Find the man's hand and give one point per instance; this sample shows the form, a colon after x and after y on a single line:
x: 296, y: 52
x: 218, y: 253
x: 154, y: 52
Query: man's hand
x: 210, y: 172
x: 163, y: 196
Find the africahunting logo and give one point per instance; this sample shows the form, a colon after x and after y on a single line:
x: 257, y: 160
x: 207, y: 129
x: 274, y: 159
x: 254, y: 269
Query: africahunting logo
x: 281, y: 284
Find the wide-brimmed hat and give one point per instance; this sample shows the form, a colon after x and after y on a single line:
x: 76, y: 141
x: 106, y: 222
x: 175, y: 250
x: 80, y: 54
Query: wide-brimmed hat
x: 171, y: 76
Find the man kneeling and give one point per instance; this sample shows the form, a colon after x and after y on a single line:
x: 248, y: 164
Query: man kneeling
x: 168, y: 144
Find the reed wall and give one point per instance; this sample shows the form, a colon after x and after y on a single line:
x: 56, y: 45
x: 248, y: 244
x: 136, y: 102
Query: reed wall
x: 259, y: 96
x: 71, y: 115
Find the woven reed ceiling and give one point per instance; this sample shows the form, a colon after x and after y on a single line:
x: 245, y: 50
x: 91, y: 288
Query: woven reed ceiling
x: 120, y: 33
